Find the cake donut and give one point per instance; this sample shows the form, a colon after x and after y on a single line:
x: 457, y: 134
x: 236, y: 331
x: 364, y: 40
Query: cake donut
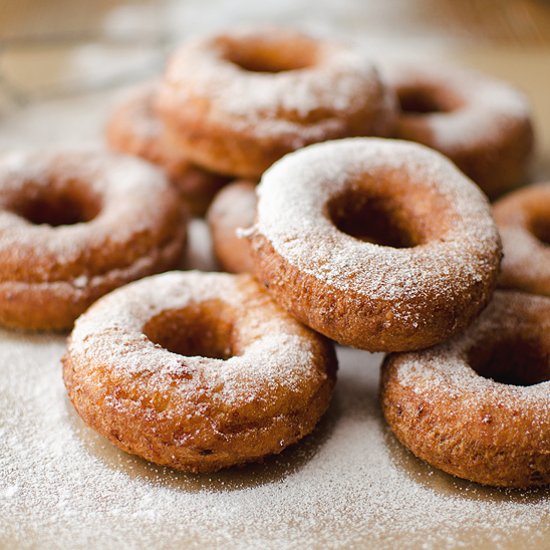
x: 197, y: 371
x: 240, y: 100
x: 379, y: 244
x: 482, y: 124
x: 233, y: 208
x: 76, y: 224
x: 523, y: 219
x: 135, y: 128
x: 477, y: 406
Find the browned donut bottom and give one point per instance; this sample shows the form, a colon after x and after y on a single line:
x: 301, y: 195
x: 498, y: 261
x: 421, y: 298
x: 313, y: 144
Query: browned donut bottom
x: 135, y: 128
x: 73, y: 226
x: 233, y: 208
x: 477, y: 406
x: 523, y: 219
x: 197, y: 371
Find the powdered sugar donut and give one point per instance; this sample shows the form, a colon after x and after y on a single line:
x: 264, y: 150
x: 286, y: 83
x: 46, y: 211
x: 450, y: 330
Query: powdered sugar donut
x: 240, y: 100
x: 76, y: 224
x: 477, y: 406
x: 135, y: 128
x: 523, y: 219
x: 482, y: 124
x: 233, y: 208
x: 197, y: 371
x: 429, y: 269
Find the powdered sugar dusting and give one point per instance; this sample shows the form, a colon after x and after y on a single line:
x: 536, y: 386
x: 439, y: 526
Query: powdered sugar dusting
x: 111, y: 333
x: 486, y: 106
x: 293, y: 195
x: 348, y: 483
x: 341, y: 83
x: 446, y: 368
x: 112, y: 178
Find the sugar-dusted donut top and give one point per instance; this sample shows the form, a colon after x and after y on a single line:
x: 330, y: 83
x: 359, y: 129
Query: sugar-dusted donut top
x: 292, y: 216
x: 313, y: 100
x: 134, y: 200
x: 445, y: 368
x: 481, y: 107
x: 279, y: 357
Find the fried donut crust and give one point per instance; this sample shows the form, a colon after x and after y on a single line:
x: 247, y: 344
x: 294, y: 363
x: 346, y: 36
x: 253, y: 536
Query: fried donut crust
x: 492, y: 428
x: 523, y: 219
x: 482, y: 124
x: 267, y: 381
x: 233, y: 208
x: 238, y: 101
x: 135, y: 128
x: 74, y: 225
x: 432, y: 274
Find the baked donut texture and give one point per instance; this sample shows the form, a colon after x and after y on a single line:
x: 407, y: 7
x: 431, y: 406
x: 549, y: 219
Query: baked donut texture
x: 482, y: 124
x: 197, y: 371
x: 233, y: 208
x: 523, y: 219
x: 431, y: 266
x: 135, y: 128
x: 76, y: 224
x: 239, y: 101
x: 477, y: 406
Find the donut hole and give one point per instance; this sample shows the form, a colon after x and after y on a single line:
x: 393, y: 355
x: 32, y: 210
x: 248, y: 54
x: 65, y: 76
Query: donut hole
x: 59, y: 207
x: 377, y: 220
x: 267, y: 56
x: 424, y: 100
x: 199, y: 330
x: 518, y: 361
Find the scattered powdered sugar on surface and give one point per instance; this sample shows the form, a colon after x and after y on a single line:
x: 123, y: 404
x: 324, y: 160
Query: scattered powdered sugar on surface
x: 347, y: 485
x: 292, y: 215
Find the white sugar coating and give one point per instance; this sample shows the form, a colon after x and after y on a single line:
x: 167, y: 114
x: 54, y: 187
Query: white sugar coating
x: 111, y: 334
x: 487, y: 105
x: 348, y: 485
x: 294, y: 192
x: 446, y: 368
x: 113, y: 178
x: 341, y: 81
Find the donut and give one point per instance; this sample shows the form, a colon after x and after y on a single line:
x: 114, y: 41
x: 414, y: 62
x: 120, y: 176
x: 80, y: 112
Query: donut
x: 233, y: 208
x: 523, y: 219
x: 134, y: 128
x: 379, y: 244
x: 76, y: 224
x: 197, y: 371
x: 482, y: 124
x: 477, y: 406
x: 238, y: 101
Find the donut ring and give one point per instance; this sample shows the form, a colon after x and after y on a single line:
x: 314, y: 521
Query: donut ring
x: 482, y: 124
x: 134, y: 128
x: 264, y: 386
x: 430, y: 269
x: 493, y: 427
x: 233, y: 208
x: 523, y: 219
x: 239, y: 101
x: 75, y: 225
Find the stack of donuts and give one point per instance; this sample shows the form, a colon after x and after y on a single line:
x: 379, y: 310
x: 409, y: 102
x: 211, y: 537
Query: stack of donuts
x: 371, y: 227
